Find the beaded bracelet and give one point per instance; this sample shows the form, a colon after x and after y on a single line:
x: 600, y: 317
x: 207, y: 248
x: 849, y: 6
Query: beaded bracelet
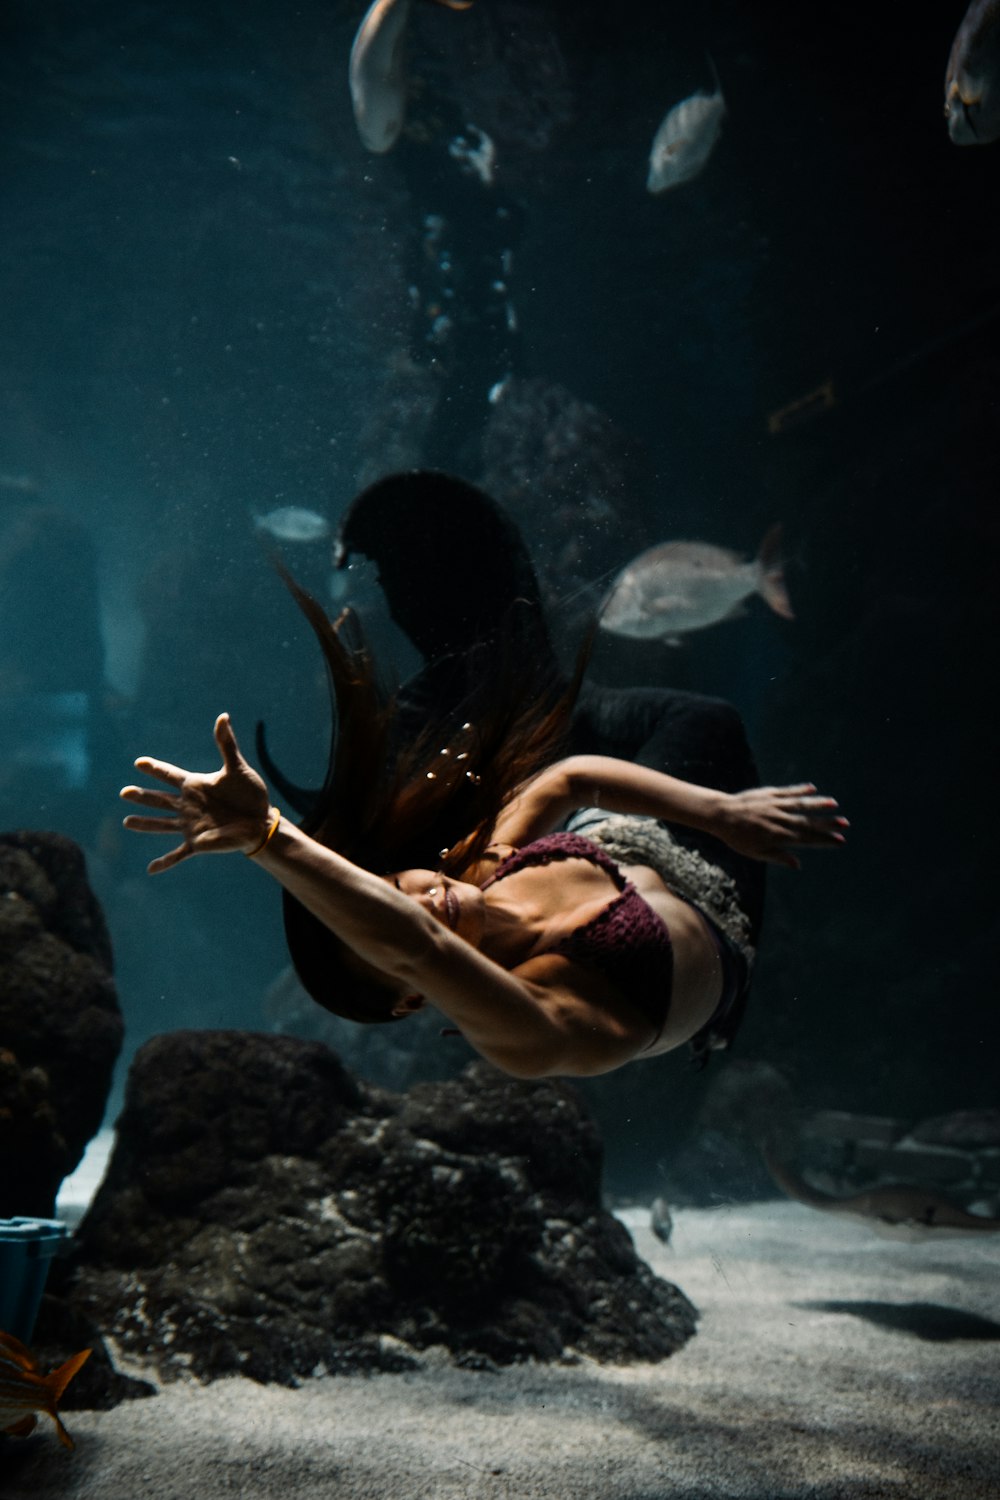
x: 272, y: 829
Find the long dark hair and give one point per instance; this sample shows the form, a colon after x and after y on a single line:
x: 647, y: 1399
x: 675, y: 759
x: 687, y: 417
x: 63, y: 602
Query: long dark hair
x: 392, y: 800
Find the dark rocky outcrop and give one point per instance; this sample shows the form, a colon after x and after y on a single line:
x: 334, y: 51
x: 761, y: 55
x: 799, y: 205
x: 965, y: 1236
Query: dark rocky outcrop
x: 60, y: 1028
x: 265, y: 1213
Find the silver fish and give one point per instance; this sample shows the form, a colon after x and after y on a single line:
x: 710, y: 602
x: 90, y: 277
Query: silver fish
x: 293, y: 523
x: 685, y: 139
x: 377, y: 73
x: 683, y: 586
x: 972, y: 81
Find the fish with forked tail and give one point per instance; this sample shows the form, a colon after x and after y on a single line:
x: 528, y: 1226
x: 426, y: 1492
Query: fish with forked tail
x: 678, y: 587
x: 972, y: 80
x: 25, y: 1391
x: 377, y: 73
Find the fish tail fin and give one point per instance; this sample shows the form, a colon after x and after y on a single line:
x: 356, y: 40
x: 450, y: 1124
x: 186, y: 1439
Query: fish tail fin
x: 57, y: 1382
x: 771, y: 566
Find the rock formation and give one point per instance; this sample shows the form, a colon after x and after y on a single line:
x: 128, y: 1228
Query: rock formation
x: 265, y: 1213
x: 60, y: 1028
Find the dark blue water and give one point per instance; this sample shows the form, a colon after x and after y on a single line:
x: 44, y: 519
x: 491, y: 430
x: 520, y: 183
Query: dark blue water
x: 216, y: 304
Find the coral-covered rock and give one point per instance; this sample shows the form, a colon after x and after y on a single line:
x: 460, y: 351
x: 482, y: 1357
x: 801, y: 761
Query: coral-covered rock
x: 60, y: 1027
x: 265, y: 1213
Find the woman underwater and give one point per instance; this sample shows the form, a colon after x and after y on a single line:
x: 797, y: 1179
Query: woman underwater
x: 562, y: 930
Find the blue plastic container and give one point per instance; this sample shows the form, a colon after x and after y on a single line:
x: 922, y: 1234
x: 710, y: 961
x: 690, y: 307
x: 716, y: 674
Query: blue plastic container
x: 26, y: 1248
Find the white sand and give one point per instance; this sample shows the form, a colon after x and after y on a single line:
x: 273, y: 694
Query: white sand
x: 770, y: 1400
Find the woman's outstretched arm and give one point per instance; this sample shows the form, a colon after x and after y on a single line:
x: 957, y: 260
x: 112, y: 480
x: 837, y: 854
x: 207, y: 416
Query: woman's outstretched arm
x: 765, y: 823
x: 527, y: 1024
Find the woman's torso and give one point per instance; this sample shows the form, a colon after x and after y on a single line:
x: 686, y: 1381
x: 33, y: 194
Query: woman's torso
x: 549, y: 907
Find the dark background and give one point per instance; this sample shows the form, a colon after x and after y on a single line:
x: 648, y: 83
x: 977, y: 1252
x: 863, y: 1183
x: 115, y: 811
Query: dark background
x: 208, y: 314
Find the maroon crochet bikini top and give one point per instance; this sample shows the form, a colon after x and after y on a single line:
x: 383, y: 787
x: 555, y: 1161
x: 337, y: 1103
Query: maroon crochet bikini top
x: 626, y: 940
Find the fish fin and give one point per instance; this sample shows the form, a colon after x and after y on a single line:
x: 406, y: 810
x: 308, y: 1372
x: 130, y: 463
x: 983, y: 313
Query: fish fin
x: 456, y: 4
x: 63, y: 1435
x: 57, y: 1382
x: 18, y: 1352
x: 772, y: 574
x: 22, y: 1428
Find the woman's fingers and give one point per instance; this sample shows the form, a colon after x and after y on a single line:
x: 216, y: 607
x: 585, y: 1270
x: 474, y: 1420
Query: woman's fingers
x: 204, y: 842
x: 151, y: 825
x: 232, y: 757
x: 809, y: 832
x: 827, y: 820
x: 168, y: 860
x: 161, y: 769
x: 812, y: 828
x: 202, y: 809
x: 149, y: 797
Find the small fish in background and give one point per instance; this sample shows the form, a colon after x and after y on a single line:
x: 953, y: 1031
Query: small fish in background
x: 972, y: 80
x: 685, y: 139
x: 25, y: 1391
x: 377, y: 73
x: 678, y: 587
x: 661, y: 1220
x: 293, y: 523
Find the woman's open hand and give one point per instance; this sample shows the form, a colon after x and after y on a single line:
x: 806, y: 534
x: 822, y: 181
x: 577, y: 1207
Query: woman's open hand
x: 768, y: 822
x: 220, y: 813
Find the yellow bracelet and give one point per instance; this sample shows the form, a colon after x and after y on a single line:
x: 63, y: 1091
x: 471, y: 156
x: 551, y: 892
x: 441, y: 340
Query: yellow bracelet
x: 268, y: 835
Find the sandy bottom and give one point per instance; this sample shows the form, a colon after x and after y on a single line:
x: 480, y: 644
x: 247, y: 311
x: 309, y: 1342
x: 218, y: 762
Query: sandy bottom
x: 894, y: 1393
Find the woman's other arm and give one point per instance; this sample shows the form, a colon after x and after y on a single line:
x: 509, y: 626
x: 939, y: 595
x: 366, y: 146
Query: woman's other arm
x: 762, y: 822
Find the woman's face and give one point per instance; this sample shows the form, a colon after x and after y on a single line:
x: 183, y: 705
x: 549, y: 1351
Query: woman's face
x: 456, y: 905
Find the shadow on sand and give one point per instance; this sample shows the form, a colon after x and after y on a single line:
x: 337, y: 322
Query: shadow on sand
x: 925, y: 1320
